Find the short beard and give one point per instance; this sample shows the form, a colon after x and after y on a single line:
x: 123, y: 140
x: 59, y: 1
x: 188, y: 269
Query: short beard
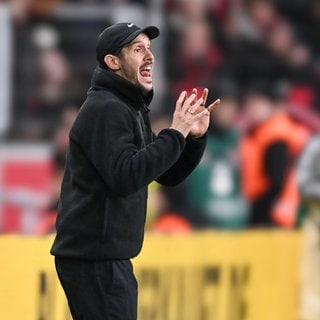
x: 130, y: 76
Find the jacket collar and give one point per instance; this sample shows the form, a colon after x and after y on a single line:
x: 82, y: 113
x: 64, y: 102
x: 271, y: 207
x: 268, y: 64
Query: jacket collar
x: 103, y: 79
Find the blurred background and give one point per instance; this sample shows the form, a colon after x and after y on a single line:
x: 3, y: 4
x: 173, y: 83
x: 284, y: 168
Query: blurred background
x: 260, y: 170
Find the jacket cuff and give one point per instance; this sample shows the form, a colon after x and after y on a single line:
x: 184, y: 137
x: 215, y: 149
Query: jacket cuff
x: 175, y: 133
x: 199, y: 140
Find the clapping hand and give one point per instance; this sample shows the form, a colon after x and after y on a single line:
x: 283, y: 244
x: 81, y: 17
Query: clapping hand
x: 191, y: 115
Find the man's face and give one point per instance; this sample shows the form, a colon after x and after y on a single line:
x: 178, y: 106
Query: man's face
x: 258, y: 108
x: 136, y: 62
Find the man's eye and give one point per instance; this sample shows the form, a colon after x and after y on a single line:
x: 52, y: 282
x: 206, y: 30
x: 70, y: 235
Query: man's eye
x: 137, y: 49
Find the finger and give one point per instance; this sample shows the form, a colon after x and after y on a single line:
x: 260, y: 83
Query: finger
x: 201, y: 114
x: 205, y: 95
x: 180, y: 100
x: 196, y: 106
x: 194, y: 91
x: 187, y: 103
x: 213, y: 105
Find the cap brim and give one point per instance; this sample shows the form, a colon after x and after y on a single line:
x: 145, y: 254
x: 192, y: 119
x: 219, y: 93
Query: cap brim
x: 152, y: 32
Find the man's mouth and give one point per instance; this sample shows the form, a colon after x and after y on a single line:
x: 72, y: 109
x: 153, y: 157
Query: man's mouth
x: 146, y: 71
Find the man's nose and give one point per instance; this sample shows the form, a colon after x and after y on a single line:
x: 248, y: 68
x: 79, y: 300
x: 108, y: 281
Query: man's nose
x: 149, y: 56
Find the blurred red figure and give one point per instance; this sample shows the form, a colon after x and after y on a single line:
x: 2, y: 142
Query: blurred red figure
x: 268, y: 152
x: 172, y: 223
x: 196, y: 58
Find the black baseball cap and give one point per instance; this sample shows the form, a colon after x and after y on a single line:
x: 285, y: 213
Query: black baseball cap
x: 115, y: 37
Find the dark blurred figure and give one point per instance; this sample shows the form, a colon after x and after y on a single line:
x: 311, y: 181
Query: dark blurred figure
x: 44, y: 105
x: 60, y: 145
x: 213, y: 189
x: 309, y: 185
x: 197, y: 57
x: 262, y: 40
x: 192, y: 55
x: 50, y: 65
x: 268, y: 151
x: 247, y: 55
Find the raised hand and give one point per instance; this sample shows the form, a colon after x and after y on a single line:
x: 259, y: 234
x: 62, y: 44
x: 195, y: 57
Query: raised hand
x: 187, y: 113
x: 201, y: 125
x: 191, y: 115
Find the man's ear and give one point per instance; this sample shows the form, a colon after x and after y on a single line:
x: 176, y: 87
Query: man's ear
x: 112, y: 62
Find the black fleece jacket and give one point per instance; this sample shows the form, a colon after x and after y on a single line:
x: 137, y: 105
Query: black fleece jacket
x: 112, y: 157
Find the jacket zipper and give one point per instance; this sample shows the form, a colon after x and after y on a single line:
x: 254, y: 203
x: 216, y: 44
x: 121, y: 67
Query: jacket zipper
x: 105, y: 220
x: 141, y: 128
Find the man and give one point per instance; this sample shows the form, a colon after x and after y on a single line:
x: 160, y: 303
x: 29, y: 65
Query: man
x: 213, y: 188
x: 112, y: 158
x: 308, y: 177
x: 268, y: 152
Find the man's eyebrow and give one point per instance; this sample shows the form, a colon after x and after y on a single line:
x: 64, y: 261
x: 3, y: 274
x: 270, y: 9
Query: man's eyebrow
x: 138, y: 42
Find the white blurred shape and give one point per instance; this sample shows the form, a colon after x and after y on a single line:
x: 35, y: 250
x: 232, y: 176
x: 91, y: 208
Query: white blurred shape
x: 45, y: 37
x: 5, y: 67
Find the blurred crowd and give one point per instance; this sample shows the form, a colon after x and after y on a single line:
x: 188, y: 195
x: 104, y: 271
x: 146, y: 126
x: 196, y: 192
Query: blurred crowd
x: 261, y: 57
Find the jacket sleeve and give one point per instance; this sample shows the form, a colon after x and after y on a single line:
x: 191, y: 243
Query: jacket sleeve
x: 309, y: 170
x: 106, y: 136
x: 188, y: 160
